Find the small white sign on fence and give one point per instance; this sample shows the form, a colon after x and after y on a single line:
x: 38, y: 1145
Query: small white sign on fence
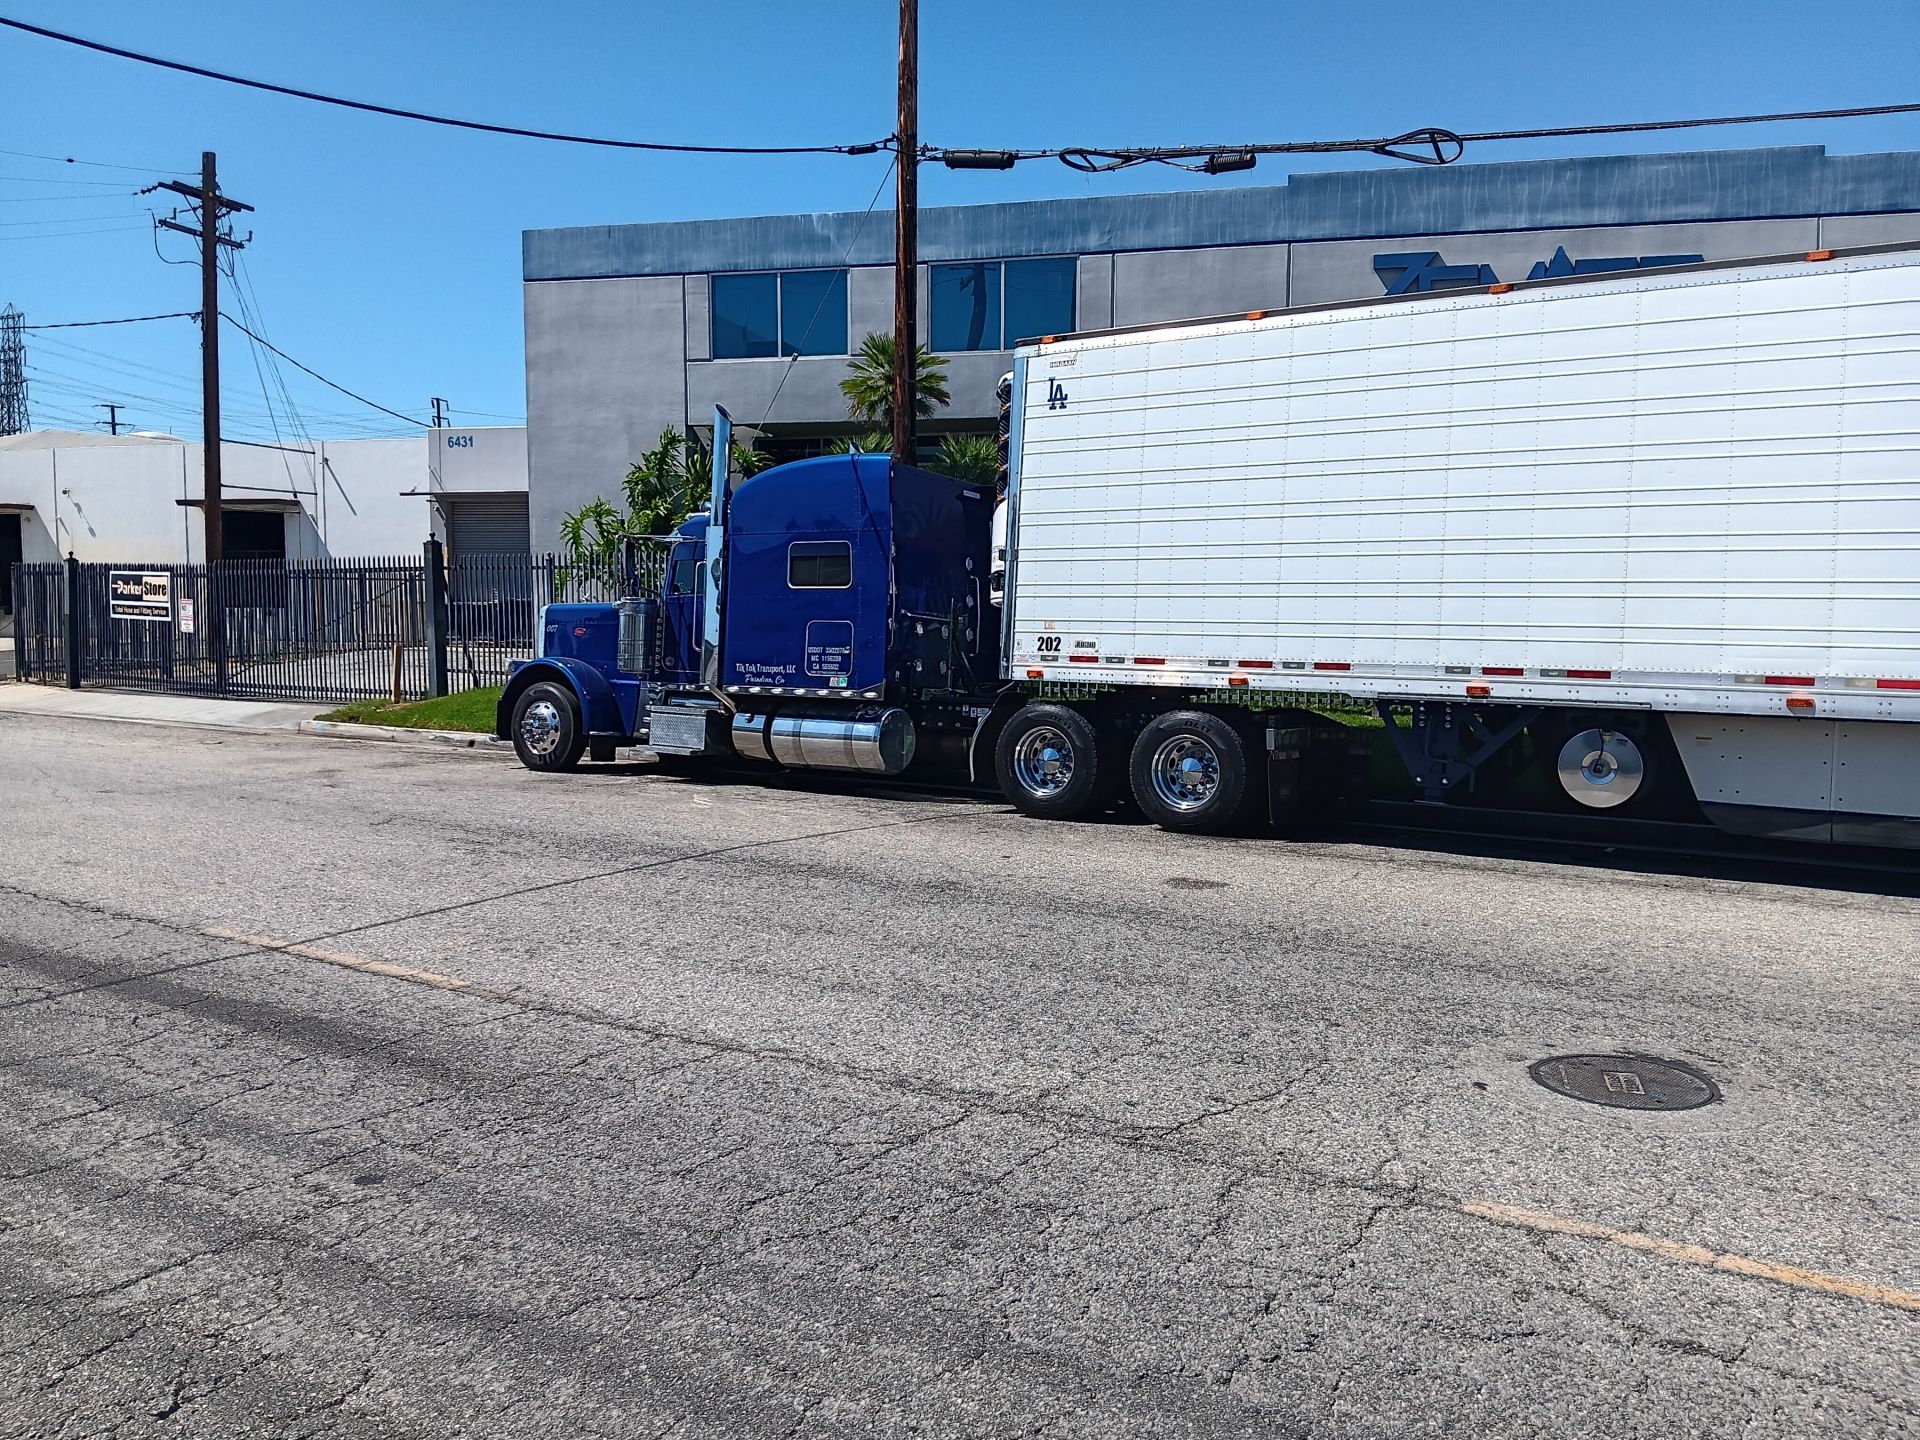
x: 185, y: 613
x: 140, y: 595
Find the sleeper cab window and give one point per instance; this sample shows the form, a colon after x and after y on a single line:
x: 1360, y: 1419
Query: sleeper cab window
x: 683, y: 568
x: 820, y: 565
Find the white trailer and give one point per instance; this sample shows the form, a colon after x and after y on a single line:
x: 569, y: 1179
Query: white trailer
x: 1597, y: 509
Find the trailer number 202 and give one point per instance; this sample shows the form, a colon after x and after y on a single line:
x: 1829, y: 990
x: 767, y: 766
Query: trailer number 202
x: 1047, y: 645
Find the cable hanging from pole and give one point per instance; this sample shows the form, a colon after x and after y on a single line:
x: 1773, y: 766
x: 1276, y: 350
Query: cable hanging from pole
x: 334, y: 384
x: 1430, y: 145
x: 369, y: 107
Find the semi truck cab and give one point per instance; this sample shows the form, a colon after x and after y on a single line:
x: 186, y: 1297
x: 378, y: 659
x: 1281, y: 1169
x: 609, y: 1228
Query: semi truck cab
x: 828, y: 613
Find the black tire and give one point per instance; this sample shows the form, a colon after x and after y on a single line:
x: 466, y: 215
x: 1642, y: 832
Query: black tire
x: 1048, y: 763
x: 1218, y: 757
x: 547, y: 732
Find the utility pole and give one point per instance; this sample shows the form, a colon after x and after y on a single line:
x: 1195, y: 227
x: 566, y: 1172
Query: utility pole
x: 213, y: 207
x: 439, y: 413
x: 906, y: 249
x: 113, y: 408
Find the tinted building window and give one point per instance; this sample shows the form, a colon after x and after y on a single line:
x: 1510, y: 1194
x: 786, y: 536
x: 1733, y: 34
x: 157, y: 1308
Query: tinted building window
x: 1039, y: 298
x: 995, y: 304
x: 746, y: 316
x: 966, y: 306
x: 813, y: 312
x: 802, y: 312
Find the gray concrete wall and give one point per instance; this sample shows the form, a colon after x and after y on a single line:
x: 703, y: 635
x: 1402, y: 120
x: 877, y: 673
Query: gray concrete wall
x: 1837, y: 230
x: 606, y: 373
x: 1179, y: 284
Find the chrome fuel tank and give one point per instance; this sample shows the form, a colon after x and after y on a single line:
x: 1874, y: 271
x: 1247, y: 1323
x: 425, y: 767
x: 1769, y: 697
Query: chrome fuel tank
x: 877, y: 740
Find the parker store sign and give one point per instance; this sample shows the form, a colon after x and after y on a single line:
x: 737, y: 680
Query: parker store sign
x: 140, y: 595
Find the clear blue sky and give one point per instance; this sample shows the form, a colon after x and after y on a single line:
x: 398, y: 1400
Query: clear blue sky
x: 386, y: 254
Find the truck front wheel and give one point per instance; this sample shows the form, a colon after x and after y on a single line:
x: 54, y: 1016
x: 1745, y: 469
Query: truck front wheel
x: 547, y: 733
x: 1193, y: 771
x: 1048, y: 763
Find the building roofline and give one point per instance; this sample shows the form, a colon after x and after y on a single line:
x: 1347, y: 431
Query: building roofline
x: 1676, y: 187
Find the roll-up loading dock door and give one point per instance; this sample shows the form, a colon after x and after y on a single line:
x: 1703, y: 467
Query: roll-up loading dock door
x: 487, y: 524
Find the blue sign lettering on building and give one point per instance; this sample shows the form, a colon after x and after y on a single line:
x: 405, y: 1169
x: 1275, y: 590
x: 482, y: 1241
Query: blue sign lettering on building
x: 1416, y: 272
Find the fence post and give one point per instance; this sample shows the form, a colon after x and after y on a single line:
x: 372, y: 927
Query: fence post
x: 73, y: 622
x: 435, y: 560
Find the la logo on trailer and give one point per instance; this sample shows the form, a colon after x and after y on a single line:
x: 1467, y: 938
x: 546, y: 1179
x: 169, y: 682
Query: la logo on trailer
x: 1056, y: 395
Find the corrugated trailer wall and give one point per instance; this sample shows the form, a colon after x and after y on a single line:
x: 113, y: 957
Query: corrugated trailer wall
x: 1692, y: 476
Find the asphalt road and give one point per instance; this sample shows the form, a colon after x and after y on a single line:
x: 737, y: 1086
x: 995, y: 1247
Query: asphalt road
x: 627, y: 1105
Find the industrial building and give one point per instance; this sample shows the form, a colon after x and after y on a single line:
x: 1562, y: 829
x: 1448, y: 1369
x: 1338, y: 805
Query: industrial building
x: 137, y: 497
x: 634, y: 328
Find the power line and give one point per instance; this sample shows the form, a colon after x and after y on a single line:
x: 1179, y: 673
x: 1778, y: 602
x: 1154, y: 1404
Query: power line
x: 124, y: 320
x: 73, y: 160
x: 318, y: 376
x: 865, y: 148
x: 1431, y: 145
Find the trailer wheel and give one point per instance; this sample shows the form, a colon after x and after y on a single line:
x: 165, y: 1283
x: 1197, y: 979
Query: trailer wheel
x: 547, y: 733
x: 1602, y: 769
x: 1193, y: 771
x: 1048, y: 763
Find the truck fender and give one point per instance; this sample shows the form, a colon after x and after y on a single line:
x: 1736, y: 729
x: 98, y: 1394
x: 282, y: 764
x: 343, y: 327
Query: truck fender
x: 986, y: 731
x: 590, y: 688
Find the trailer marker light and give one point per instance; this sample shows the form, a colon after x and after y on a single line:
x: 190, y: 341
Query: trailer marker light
x: 1502, y: 670
x: 1256, y: 314
x: 1479, y: 692
x: 1254, y: 664
x: 1502, y: 288
x: 1036, y: 674
x: 1589, y: 674
x: 1084, y: 659
x: 1332, y: 665
x: 1149, y: 659
x: 1801, y: 681
x: 1819, y: 254
x: 1799, y: 702
x: 1896, y: 684
x: 1236, y: 679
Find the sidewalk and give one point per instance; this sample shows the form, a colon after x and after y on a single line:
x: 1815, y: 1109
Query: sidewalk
x: 60, y: 703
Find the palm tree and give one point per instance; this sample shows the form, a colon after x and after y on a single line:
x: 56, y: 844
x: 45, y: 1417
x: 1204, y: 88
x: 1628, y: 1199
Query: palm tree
x: 974, y: 459
x: 869, y: 383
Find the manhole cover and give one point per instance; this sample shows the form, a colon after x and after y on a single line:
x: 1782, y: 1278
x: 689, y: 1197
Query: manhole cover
x: 1630, y: 1082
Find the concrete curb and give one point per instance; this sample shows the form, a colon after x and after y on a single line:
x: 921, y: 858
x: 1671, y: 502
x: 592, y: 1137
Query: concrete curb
x: 393, y: 734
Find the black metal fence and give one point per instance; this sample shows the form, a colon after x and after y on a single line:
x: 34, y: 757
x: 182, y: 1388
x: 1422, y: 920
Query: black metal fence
x: 321, y: 630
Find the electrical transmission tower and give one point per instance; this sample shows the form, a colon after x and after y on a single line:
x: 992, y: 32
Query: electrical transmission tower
x: 13, y: 372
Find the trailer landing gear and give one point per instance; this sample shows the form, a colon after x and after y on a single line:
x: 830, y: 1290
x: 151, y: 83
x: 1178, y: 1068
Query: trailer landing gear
x: 1445, y: 745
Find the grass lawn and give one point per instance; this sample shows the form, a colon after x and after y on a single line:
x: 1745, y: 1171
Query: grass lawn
x: 469, y: 710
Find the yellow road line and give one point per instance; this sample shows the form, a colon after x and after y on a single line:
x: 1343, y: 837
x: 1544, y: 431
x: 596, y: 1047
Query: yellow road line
x: 1695, y: 1254
x: 352, y: 962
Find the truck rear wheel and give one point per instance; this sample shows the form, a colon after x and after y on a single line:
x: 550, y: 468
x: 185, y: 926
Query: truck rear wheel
x: 1193, y: 771
x: 547, y: 733
x: 1048, y: 763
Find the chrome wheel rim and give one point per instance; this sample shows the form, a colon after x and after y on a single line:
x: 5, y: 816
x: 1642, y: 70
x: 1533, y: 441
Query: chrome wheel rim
x: 1185, y: 773
x: 1043, y: 761
x: 540, y: 727
x: 1601, y: 768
